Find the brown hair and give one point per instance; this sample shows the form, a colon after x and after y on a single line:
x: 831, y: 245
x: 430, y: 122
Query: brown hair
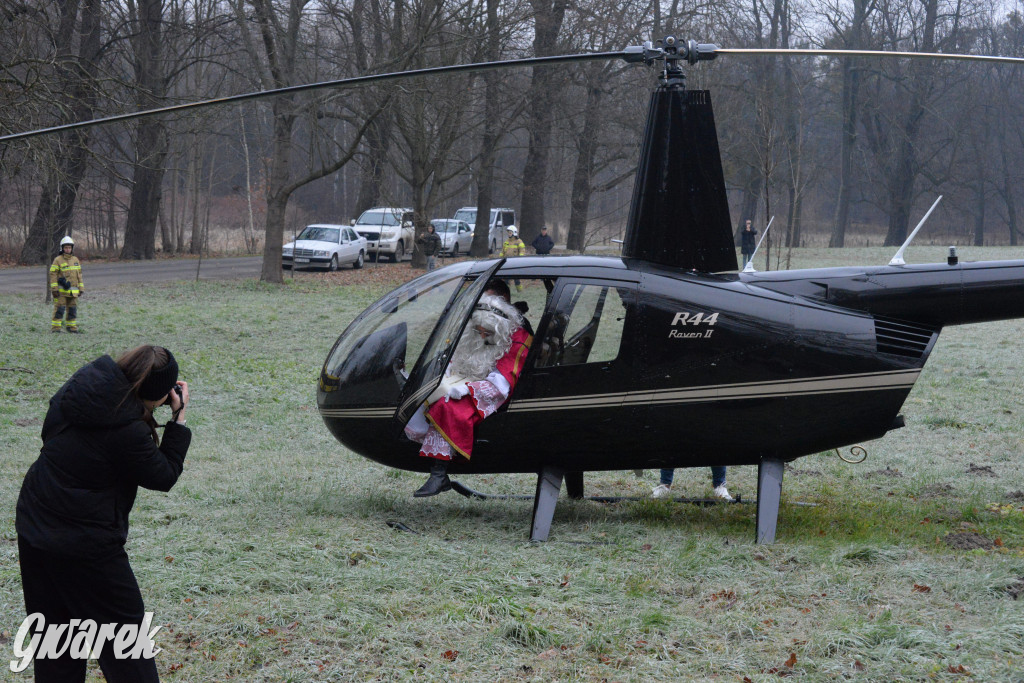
x: 136, y: 366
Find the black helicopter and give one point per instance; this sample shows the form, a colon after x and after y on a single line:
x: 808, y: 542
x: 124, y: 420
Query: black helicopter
x: 650, y: 359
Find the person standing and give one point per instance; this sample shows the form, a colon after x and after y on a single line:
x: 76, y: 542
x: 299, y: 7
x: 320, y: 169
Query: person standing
x: 100, y: 444
x: 717, y: 482
x: 748, y: 242
x: 431, y: 243
x: 513, y: 246
x: 542, y: 243
x: 66, y: 286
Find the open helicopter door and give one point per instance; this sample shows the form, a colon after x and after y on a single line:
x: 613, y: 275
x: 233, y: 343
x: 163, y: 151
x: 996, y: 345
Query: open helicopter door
x: 429, y: 369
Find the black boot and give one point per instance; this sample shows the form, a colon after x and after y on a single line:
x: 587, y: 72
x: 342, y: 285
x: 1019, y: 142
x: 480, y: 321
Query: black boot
x: 438, y: 481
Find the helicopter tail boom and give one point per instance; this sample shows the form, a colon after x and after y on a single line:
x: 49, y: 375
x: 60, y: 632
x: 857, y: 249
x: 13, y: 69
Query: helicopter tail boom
x: 935, y: 294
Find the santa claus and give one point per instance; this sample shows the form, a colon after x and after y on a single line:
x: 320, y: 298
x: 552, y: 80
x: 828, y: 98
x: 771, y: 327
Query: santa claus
x: 479, y: 379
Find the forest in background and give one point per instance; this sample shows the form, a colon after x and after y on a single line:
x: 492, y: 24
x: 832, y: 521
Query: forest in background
x: 839, y: 151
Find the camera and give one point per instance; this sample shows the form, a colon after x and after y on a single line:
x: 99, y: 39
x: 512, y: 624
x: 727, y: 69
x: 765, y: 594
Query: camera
x: 176, y: 390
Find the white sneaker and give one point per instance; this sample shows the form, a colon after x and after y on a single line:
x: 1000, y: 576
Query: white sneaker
x: 722, y: 493
x: 661, y: 491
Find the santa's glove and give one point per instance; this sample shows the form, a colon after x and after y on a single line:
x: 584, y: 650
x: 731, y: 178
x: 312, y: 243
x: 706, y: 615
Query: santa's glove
x: 457, y: 391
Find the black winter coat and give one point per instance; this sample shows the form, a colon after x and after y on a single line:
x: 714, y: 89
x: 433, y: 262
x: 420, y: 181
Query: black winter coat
x: 543, y: 244
x: 431, y: 242
x: 97, y: 451
x: 747, y: 241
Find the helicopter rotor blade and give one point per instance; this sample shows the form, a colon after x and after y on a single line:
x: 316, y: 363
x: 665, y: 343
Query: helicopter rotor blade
x: 647, y: 53
x: 632, y: 54
x: 867, y: 53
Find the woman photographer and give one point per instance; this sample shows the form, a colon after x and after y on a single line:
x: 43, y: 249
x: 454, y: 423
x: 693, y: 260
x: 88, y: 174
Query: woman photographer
x: 100, y: 443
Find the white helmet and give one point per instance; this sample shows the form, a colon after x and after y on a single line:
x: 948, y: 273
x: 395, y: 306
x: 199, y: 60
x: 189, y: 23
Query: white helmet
x: 67, y: 240
x: 513, y: 230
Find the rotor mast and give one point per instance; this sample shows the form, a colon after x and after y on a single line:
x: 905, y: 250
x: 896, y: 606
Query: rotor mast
x: 679, y: 216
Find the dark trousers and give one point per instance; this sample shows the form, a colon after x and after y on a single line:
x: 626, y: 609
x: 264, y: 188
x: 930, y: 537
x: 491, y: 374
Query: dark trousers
x: 104, y: 590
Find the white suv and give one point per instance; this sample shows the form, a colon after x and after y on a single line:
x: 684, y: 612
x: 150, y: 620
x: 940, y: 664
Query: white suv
x: 500, y: 219
x: 387, y: 230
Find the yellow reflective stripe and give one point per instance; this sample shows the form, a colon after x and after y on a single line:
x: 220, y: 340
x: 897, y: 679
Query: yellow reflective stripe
x: 56, y: 322
x: 75, y: 267
x: 54, y: 268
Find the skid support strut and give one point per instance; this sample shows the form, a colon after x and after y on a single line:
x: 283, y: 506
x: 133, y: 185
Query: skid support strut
x: 549, y: 483
x: 769, y: 492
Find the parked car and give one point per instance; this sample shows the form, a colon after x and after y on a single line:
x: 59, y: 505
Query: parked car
x: 326, y: 246
x: 387, y: 230
x: 500, y: 219
x: 456, y: 236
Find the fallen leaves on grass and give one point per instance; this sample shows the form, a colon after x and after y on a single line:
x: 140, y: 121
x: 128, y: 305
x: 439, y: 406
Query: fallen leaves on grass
x: 785, y: 670
x: 921, y: 588
x: 451, y: 655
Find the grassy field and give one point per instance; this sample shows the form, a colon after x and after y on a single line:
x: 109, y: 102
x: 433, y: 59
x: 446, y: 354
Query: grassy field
x: 273, y: 558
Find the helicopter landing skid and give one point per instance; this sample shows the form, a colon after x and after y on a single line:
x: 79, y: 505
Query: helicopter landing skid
x: 549, y: 484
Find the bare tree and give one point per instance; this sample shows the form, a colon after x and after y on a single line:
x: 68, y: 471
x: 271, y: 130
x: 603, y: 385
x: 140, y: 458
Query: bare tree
x: 548, y: 16
x: 67, y: 153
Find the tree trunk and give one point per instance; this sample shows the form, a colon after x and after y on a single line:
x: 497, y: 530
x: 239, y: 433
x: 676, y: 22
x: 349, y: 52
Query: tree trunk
x: 488, y: 140
x: 278, y: 192
x: 979, y: 213
x: 851, y: 87
x: 548, y: 16
x: 907, y: 167
x: 582, y: 188
x: 53, y: 218
x: 151, y: 134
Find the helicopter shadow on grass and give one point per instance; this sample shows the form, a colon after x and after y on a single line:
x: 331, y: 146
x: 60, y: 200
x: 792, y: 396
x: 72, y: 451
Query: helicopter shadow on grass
x: 575, y: 521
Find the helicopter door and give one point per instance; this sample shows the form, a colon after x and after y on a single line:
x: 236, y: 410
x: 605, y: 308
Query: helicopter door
x: 582, y: 370
x: 426, y: 374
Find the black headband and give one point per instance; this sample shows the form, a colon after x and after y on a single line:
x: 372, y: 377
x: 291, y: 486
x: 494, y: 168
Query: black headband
x: 158, y: 383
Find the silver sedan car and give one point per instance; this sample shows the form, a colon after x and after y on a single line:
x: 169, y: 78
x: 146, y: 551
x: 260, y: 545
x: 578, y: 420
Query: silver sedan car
x: 456, y: 236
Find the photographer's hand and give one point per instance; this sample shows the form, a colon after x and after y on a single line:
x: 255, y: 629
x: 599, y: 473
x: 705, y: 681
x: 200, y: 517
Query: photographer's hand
x: 178, y: 403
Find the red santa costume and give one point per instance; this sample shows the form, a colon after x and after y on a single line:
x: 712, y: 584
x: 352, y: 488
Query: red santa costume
x: 482, y: 373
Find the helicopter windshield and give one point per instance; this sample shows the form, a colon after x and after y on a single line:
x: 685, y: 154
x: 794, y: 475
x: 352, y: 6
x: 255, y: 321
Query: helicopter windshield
x: 372, y: 359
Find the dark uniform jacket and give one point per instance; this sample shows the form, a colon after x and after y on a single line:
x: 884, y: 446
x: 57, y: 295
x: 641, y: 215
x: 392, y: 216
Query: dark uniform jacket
x: 97, y: 451
x: 747, y: 241
x: 543, y: 243
x: 431, y: 242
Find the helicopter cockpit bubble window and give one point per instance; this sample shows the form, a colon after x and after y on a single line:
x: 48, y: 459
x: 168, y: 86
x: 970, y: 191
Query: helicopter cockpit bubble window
x: 586, y: 326
x: 373, y: 357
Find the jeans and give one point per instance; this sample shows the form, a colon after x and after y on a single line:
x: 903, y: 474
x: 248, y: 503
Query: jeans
x: 431, y: 263
x: 717, y: 476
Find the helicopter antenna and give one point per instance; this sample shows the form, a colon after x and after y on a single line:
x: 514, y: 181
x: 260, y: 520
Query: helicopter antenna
x: 897, y: 260
x: 749, y: 268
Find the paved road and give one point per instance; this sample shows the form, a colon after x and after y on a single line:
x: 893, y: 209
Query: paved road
x: 26, y: 280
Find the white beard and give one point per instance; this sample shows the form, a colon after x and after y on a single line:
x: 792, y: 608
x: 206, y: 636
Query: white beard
x: 474, y: 359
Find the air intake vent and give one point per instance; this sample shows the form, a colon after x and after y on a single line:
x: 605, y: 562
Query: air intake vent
x: 902, y: 338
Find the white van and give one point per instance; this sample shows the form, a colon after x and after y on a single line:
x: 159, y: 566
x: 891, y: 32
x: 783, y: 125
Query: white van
x: 388, y: 231
x: 500, y: 219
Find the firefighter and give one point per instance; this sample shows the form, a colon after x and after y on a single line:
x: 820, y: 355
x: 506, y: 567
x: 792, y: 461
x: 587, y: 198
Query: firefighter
x: 65, y: 286
x: 514, y: 246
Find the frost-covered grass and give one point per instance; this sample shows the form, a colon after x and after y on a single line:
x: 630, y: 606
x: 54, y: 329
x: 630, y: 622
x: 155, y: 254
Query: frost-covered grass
x: 273, y: 558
